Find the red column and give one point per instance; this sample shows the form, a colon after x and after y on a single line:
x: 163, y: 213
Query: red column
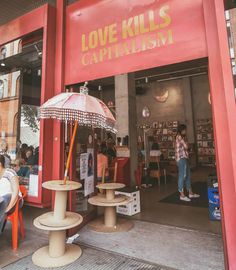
x: 58, y: 137
x: 224, y: 113
x: 47, y: 86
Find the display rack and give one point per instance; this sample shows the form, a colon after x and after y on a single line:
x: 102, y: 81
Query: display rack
x: 164, y: 134
x: 205, y: 142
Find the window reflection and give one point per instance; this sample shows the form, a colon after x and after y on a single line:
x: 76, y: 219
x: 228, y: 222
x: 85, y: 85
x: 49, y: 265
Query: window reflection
x: 20, y: 92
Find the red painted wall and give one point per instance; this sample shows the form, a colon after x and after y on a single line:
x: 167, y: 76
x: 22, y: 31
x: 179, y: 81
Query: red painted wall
x: 105, y: 38
x: 23, y: 25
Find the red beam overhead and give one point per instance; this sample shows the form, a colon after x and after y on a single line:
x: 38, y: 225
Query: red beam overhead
x: 23, y: 25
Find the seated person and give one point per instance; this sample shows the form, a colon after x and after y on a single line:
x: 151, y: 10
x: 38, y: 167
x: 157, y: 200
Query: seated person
x: 155, y: 151
x: 29, y: 154
x: 9, y: 190
x: 3, y: 151
x: 20, y: 169
x: 111, y: 151
x: 21, y: 154
x: 102, y: 163
x: 32, y: 158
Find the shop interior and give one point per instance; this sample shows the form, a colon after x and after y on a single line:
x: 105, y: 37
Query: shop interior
x: 166, y: 97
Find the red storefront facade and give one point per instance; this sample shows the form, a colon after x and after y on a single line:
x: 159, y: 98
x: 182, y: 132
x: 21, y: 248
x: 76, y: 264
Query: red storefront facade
x: 87, y: 40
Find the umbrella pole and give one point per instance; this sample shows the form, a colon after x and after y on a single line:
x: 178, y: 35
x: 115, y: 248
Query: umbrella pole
x: 70, y: 152
x: 115, y: 172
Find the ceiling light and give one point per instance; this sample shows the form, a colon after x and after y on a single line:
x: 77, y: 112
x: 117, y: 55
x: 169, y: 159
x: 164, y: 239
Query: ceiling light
x: 146, y: 80
x: 99, y: 88
x: 3, y: 64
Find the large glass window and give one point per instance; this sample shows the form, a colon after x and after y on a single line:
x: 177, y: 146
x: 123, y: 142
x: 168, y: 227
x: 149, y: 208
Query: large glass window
x: 20, y: 92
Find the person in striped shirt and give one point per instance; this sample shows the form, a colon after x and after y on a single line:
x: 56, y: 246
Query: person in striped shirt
x: 182, y: 159
x: 9, y: 190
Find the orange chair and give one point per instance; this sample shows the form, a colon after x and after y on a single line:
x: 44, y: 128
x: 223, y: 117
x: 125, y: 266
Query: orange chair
x: 15, y: 217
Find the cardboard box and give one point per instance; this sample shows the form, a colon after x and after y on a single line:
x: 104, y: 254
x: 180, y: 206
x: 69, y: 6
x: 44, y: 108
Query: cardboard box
x: 131, y: 208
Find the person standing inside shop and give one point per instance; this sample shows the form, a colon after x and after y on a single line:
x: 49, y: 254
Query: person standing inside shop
x: 111, y: 150
x: 182, y: 159
x: 102, y: 163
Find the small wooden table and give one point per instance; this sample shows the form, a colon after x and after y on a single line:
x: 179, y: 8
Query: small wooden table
x: 109, y: 201
x: 58, y: 253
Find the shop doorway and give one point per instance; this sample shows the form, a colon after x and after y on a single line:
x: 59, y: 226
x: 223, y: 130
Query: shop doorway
x: 158, y: 113
x: 166, y: 97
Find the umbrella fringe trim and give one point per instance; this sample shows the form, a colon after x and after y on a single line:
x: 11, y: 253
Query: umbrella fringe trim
x: 83, y: 118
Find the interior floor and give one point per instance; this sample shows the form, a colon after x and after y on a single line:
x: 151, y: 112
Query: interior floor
x: 196, y: 218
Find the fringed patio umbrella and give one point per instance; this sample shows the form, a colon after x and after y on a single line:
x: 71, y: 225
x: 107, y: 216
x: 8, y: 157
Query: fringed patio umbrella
x: 84, y: 110
x: 80, y: 108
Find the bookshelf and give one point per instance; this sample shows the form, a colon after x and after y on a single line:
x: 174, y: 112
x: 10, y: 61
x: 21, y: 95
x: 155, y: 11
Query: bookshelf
x: 205, y: 142
x: 164, y: 134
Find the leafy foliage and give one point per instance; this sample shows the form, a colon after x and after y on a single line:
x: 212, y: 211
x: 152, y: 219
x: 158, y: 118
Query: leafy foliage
x: 30, y: 116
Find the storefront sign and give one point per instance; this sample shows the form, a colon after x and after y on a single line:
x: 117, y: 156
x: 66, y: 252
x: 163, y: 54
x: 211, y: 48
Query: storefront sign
x: 142, y: 32
x: 111, y: 37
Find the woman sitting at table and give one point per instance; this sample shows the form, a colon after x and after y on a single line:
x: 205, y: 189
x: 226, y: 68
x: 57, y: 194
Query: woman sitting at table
x: 9, y: 190
x: 102, y: 163
x: 20, y: 169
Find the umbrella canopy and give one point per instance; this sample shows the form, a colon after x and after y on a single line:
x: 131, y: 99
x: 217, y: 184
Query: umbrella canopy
x: 79, y: 107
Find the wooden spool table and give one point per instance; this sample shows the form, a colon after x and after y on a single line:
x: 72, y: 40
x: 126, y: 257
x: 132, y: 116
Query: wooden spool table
x: 58, y: 253
x: 109, y: 201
